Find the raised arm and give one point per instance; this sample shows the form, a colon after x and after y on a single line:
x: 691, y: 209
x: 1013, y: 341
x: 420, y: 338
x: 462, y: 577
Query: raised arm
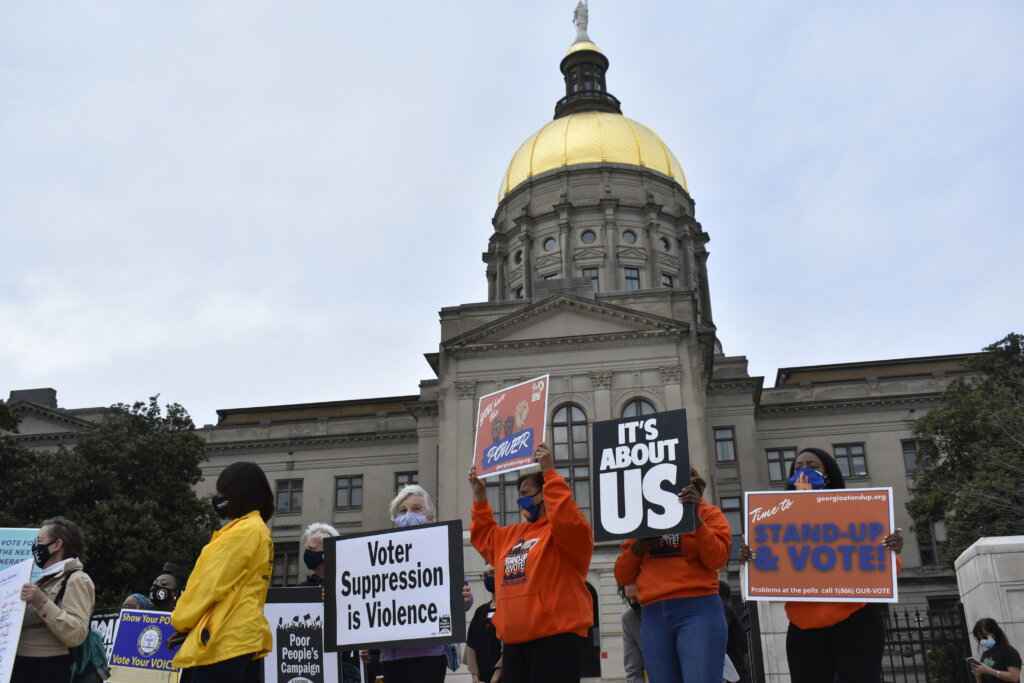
x: 483, y: 528
x: 570, y: 529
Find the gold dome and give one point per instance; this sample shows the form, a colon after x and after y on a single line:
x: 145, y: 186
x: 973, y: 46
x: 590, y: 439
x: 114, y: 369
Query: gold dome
x: 583, y: 45
x: 590, y: 137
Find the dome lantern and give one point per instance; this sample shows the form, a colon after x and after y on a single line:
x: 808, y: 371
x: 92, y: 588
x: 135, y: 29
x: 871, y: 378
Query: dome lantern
x: 584, y: 67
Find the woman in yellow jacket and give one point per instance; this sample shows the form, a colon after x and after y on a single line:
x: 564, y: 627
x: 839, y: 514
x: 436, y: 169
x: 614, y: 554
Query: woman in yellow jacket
x: 220, y: 615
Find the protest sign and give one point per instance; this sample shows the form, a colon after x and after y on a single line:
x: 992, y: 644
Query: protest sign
x: 821, y: 545
x: 12, y: 611
x: 105, y: 625
x: 510, y: 424
x: 398, y: 587
x: 15, y: 546
x: 296, y: 618
x: 642, y: 464
x: 140, y: 640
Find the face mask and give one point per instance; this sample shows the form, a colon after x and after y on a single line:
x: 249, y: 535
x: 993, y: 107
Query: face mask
x: 530, y: 506
x: 987, y: 643
x: 41, y: 553
x: 635, y: 606
x: 815, y: 478
x: 220, y: 506
x: 313, y: 558
x: 410, y: 519
x: 489, y: 583
x: 159, y: 594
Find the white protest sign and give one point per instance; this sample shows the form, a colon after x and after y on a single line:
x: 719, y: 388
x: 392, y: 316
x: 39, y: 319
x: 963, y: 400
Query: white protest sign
x: 296, y: 618
x: 398, y: 587
x: 12, y: 611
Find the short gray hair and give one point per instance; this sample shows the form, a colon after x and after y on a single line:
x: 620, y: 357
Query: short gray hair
x: 317, y: 530
x: 411, y: 490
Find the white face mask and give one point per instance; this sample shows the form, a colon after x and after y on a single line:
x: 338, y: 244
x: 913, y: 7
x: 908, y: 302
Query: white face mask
x: 987, y: 643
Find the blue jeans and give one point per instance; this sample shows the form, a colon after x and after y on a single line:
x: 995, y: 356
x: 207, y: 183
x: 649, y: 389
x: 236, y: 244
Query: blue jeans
x: 684, y: 639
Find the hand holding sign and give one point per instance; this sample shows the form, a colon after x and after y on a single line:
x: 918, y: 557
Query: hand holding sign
x: 544, y: 458
x: 479, y: 487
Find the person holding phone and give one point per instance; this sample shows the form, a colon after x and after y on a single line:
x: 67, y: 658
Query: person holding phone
x: 998, y: 660
x: 827, y: 641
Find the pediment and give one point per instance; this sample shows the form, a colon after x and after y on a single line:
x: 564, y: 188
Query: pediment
x: 566, y: 317
x: 35, y: 419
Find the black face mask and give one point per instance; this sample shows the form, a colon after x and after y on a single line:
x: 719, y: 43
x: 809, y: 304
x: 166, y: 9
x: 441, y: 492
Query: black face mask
x: 41, y: 553
x: 313, y: 558
x: 489, y: 583
x: 160, y: 595
x: 635, y: 606
x: 220, y: 505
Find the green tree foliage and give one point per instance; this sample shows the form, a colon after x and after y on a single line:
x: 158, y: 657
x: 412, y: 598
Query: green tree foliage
x: 972, y: 472
x: 129, y: 484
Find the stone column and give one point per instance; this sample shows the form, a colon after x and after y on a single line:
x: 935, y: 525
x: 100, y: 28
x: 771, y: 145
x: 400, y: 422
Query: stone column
x: 502, y: 274
x: 602, y: 383
x: 610, y: 278
x: 453, y: 484
x: 990, y: 575
x: 650, y: 231
x: 564, y: 209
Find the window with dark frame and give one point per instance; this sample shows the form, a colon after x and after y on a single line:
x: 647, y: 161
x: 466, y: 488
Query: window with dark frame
x: 348, y: 492
x: 519, y: 293
x: 288, y: 496
x: 779, y: 461
x: 405, y: 478
x: 629, y: 237
x: 926, y: 544
x: 550, y: 244
x: 519, y: 256
x: 732, y: 508
x: 666, y: 244
x: 286, y: 564
x: 588, y: 237
x: 592, y: 275
x: 725, y: 444
x: 632, y: 278
x: 909, y: 455
x: 667, y: 280
x: 638, y: 407
x: 851, y: 458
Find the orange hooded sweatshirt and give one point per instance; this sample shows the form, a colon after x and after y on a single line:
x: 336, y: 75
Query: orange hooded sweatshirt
x: 540, y: 569
x: 680, y: 565
x: 810, y: 615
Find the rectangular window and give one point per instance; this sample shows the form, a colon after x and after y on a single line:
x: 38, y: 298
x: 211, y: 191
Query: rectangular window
x: 632, y: 278
x: 667, y: 280
x: 405, y: 478
x: 779, y: 460
x: 286, y: 564
x: 732, y: 508
x: 926, y: 544
x: 591, y: 274
x: 289, y: 495
x: 909, y: 455
x: 852, y: 460
x: 725, y: 444
x: 348, y: 492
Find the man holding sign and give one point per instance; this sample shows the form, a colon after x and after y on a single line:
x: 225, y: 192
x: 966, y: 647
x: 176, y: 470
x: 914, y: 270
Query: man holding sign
x: 829, y: 556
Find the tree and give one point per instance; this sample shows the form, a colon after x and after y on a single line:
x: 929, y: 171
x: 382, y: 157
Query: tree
x: 971, y: 472
x: 129, y: 484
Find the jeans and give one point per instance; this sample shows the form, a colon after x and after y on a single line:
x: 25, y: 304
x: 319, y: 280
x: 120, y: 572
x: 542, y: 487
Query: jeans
x: 684, y: 639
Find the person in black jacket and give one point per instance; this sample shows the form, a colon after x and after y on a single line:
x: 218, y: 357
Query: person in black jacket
x: 997, y: 660
x: 736, y: 644
x: 483, y: 648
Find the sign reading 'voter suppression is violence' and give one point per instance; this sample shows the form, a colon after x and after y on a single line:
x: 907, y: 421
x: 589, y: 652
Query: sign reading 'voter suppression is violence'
x: 396, y: 587
x: 821, y: 545
x: 140, y: 641
x: 510, y: 424
x: 642, y: 463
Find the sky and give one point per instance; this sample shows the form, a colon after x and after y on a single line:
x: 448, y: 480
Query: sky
x: 250, y: 203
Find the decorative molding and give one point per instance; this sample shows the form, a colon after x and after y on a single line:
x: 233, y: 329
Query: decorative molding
x: 637, y: 336
x: 846, y: 404
x: 464, y: 390
x: 744, y: 385
x: 671, y: 374
x: 552, y: 259
x: 632, y: 252
x: 310, y: 442
x: 667, y: 260
x: 601, y: 379
x: 590, y: 253
x: 424, y: 409
x: 28, y: 408
x: 38, y: 440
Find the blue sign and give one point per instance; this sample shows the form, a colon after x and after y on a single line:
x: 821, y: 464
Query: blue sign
x: 15, y: 546
x: 513, y: 446
x: 141, y: 640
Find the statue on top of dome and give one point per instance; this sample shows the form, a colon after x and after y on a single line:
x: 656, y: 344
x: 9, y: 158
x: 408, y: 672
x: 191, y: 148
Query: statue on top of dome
x: 581, y: 17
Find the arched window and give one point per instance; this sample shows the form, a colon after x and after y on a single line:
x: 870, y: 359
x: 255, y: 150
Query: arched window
x: 570, y: 442
x: 638, y: 407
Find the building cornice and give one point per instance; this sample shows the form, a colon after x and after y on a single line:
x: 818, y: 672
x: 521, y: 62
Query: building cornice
x: 310, y: 442
x: 741, y: 385
x: 850, y: 403
x: 638, y: 336
x: 27, y: 407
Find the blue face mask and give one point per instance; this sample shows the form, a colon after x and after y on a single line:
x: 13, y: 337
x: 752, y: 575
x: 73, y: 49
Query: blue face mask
x: 987, y: 643
x: 409, y: 519
x: 530, y: 506
x: 815, y: 478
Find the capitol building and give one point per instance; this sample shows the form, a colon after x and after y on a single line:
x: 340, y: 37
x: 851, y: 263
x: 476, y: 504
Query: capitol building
x: 596, y: 268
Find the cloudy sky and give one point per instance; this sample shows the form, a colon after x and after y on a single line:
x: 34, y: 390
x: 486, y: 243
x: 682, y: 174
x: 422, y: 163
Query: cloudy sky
x: 244, y: 203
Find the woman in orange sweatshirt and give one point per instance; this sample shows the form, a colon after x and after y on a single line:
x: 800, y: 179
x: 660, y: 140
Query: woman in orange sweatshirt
x: 841, y: 641
x: 542, y: 606
x: 682, y: 628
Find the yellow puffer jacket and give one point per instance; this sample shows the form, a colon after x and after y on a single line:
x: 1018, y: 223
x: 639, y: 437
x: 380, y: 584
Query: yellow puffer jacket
x: 222, y: 606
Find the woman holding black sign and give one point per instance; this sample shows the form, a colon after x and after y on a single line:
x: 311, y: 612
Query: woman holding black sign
x: 827, y: 641
x: 682, y: 626
x: 543, y: 608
